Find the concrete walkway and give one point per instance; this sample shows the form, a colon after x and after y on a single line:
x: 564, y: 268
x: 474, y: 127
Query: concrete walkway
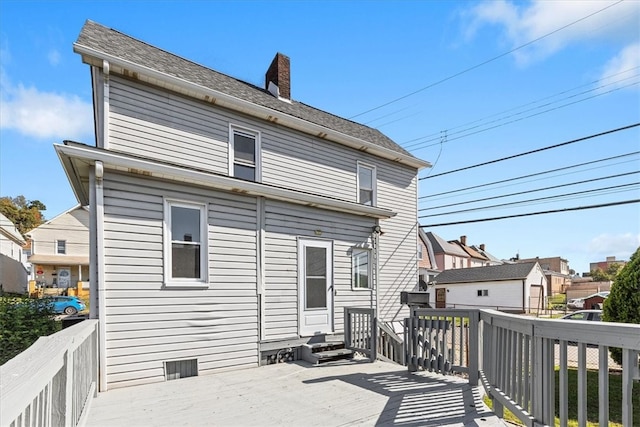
x: 298, y: 394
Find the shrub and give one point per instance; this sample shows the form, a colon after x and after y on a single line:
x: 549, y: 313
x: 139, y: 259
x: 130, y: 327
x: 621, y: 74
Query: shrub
x: 22, y: 322
x: 623, y: 303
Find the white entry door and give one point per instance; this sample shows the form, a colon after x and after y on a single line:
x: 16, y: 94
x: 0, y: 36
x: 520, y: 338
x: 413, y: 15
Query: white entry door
x: 315, y: 286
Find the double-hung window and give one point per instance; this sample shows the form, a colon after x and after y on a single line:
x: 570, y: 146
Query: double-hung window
x: 366, y: 184
x: 244, y: 154
x: 185, y: 243
x: 61, y: 247
x: 361, y: 269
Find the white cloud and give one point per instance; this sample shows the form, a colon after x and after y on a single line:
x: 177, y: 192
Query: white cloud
x: 524, y: 22
x: 44, y: 115
x: 54, y: 57
x: 623, y: 65
x: 622, y: 246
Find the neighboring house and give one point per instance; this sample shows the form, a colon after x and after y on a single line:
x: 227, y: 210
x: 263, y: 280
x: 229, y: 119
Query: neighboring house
x: 13, y: 266
x: 230, y: 220
x: 491, y: 259
x: 427, y: 265
x: 510, y: 287
x: 60, y: 250
x: 476, y: 259
x: 448, y: 255
x: 557, y: 264
x: 557, y: 282
x: 604, y: 265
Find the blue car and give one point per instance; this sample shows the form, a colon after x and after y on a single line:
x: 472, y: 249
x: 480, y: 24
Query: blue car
x: 66, y: 305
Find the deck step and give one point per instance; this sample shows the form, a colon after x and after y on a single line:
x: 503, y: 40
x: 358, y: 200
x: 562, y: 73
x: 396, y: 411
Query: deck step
x: 322, y: 352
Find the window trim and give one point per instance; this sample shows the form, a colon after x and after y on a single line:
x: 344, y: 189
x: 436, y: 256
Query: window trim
x: 233, y: 129
x: 354, y: 252
x: 169, y: 281
x: 374, y: 182
x: 64, y: 242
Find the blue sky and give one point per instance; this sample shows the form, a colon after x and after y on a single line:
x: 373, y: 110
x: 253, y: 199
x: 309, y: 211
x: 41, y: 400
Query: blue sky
x: 457, y: 83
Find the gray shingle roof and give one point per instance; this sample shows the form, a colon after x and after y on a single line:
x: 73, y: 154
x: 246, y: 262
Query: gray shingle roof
x: 442, y: 246
x: 486, y: 274
x: 106, y: 40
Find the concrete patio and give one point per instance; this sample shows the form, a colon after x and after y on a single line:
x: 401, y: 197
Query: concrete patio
x: 299, y: 394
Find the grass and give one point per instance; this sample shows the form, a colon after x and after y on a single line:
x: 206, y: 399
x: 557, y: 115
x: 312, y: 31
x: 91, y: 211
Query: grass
x: 615, y: 400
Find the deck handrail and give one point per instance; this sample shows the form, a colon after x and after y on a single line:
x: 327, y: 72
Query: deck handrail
x: 51, y: 382
x: 360, y: 331
x: 390, y: 345
x: 515, y: 358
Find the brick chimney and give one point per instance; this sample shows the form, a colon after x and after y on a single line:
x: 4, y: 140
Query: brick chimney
x: 482, y: 247
x: 279, y: 74
x: 463, y: 240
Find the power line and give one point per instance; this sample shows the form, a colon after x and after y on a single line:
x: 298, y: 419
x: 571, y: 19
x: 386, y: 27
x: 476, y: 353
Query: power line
x: 529, y: 175
x: 417, y: 145
x: 485, y: 62
x: 538, y: 199
x: 534, y: 151
x: 578, y: 208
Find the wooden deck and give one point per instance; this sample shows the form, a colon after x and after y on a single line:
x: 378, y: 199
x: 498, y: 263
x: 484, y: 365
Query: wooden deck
x: 298, y: 394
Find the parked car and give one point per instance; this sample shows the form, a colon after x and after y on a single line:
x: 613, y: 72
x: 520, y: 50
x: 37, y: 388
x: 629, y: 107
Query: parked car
x: 575, y: 303
x: 594, y: 315
x: 66, y: 305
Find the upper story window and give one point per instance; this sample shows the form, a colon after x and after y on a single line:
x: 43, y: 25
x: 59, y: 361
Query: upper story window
x: 419, y: 250
x: 366, y: 184
x: 244, y: 154
x: 61, y: 247
x: 361, y: 269
x: 185, y: 256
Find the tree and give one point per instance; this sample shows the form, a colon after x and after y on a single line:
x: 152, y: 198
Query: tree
x: 25, y: 214
x: 608, y: 275
x: 623, y: 303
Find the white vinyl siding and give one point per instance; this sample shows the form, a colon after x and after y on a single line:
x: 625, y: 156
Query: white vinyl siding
x: 284, y: 223
x: 148, y: 323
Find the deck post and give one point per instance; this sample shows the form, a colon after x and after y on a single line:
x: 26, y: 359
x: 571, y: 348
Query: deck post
x: 474, y: 349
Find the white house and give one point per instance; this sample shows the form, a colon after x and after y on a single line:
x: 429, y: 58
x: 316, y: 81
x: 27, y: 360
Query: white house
x: 13, y: 264
x: 508, y: 287
x: 229, y: 219
x: 60, y: 249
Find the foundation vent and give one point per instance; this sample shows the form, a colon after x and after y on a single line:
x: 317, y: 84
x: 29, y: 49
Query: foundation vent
x: 177, y: 369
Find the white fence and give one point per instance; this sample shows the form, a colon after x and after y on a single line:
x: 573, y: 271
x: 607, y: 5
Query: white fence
x: 516, y: 358
x: 51, y: 382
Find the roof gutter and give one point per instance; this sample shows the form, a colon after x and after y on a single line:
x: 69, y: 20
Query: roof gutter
x: 69, y: 154
x: 250, y: 108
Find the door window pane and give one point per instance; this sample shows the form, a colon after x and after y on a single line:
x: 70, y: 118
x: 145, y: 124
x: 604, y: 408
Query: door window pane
x: 316, y: 262
x: 316, y: 292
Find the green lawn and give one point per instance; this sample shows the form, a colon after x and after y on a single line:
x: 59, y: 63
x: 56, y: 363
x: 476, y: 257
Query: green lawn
x: 615, y: 400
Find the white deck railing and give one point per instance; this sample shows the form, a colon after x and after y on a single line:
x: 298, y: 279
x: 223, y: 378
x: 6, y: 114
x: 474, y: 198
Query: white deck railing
x: 516, y: 358
x: 51, y: 382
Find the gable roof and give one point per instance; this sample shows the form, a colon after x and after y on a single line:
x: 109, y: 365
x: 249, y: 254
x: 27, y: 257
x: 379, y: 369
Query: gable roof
x: 429, y: 246
x: 99, y: 42
x: 442, y: 246
x: 468, y: 249
x: 486, y: 274
x: 489, y: 256
x: 9, y: 230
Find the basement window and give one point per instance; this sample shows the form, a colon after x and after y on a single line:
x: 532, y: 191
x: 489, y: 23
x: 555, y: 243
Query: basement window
x: 177, y: 369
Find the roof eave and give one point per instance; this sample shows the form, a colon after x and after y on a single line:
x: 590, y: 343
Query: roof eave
x: 72, y: 155
x: 237, y: 104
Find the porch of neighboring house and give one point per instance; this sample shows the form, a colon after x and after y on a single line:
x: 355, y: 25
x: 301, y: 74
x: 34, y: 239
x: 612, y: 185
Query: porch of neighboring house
x: 59, y: 274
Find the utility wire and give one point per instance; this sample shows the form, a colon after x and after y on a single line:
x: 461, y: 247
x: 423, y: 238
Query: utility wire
x: 528, y: 176
x: 538, y: 199
x: 486, y: 62
x: 531, y: 191
x: 470, y: 131
x: 578, y: 208
x: 434, y: 134
x: 534, y: 151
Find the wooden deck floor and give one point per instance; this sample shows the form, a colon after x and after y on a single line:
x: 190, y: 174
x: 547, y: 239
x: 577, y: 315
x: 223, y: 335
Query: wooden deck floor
x: 298, y: 394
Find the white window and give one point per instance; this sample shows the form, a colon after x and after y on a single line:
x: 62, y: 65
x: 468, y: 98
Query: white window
x: 185, y: 256
x: 244, y: 154
x: 360, y: 269
x: 366, y: 184
x: 419, y: 250
x: 61, y: 247
x: 483, y: 292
